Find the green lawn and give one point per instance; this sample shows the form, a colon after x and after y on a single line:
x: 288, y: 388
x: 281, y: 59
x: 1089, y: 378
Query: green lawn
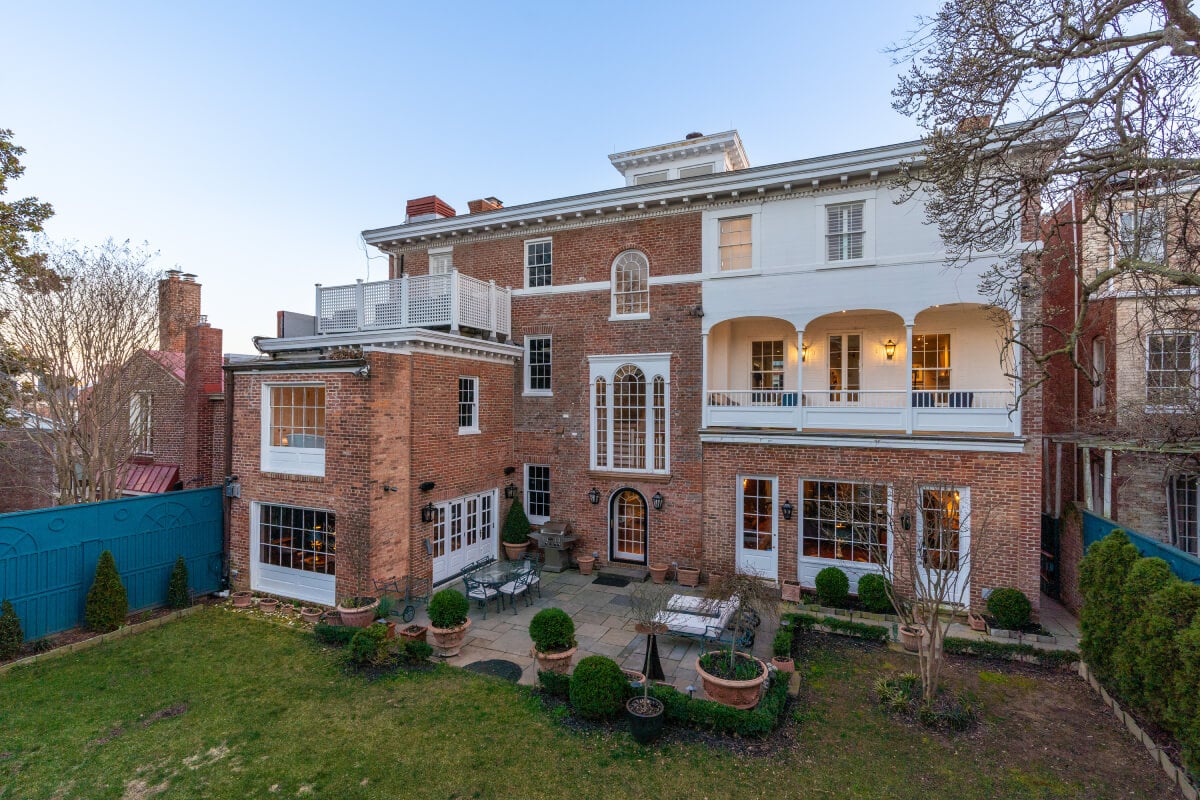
x: 271, y: 714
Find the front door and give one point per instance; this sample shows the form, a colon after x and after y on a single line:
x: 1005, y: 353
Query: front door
x: 627, y: 526
x: 757, y: 538
x: 944, y: 544
x: 463, y: 532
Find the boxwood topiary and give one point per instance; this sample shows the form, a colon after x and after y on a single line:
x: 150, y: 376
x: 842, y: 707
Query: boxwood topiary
x: 107, y: 604
x: 368, y: 646
x: 552, y: 631
x: 873, y: 594
x: 598, y: 688
x: 177, y: 587
x: 833, y: 587
x: 516, y: 524
x: 1010, y: 607
x: 448, y: 609
x: 11, y: 635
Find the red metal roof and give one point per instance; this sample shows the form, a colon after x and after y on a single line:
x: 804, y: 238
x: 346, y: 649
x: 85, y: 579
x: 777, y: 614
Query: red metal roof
x: 171, y: 361
x: 148, y: 478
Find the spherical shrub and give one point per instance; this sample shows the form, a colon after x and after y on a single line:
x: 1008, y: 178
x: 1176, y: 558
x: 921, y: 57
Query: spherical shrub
x: 177, y: 587
x: 11, y: 635
x: 598, y: 688
x: 369, y: 646
x: 106, y: 604
x: 448, y: 609
x: 833, y: 587
x: 1010, y: 608
x: 873, y: 594
x: 552, y: 631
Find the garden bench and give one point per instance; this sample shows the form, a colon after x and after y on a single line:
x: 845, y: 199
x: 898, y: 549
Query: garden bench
x: 698, y: 618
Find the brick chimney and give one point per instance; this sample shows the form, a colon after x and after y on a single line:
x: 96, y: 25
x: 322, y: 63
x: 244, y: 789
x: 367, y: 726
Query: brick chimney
x: 203, y: 404
x: 486, y: 204
x: 178, y: 309
x: 973, y: 124
x: 422, y: 209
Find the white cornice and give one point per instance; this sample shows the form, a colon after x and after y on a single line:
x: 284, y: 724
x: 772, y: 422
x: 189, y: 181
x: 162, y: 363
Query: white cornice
x: 406, y: 340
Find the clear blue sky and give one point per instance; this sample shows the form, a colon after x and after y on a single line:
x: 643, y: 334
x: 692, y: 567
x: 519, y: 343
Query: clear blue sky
x: 250, y: 143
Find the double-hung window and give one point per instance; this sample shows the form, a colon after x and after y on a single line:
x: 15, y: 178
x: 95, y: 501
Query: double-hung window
x: 1171, y: 361
x: 539, y: 262
x: 631, y: 285
x: 441, y: 261
x: 538, y: 365
x: 141, y: 407
x: 537, y: 492
x: 1141, y: 236
x: 468, y: 405
x: 735, y: 247
x: 1183, y: 505
x: 844, y: 231
x: 294, y: 429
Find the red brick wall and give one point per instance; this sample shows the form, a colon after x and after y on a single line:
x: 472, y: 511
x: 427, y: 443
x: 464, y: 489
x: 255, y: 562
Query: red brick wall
x: 203, y: 380
x: 178, y: 310
x: 1070, y: 554
x: 26, y: 472
x: 168, y: 422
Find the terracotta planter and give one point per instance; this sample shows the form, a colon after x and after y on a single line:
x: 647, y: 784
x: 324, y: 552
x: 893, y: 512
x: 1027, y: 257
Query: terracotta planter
x: 977, y: 622
x: 910, y: 637
x: 333, y: 618
x: 447, y: 642
x: 784, y: 664
x: 310, y: 615
x: 360, y: 617
x: 268, y: 604
x: 554, y: 662
x: 514, y: 551
x: 414, y: 633
x: 688, y: 576
x: 634, y: 676
x: 791, y: 591
x: 737, y: 694
x: 585, y: 564
x: 658, y: 572
x: 241, y: 599
x: 391, y: 627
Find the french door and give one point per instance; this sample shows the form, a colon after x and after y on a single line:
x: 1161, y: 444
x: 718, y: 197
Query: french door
x: 845, y: 367
x: 757, y: 537
x: 944, y: 544
x: 464, y: 530
x: 627, y: 526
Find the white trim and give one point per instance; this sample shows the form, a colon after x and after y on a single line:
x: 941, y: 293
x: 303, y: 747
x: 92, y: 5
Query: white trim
x: 853, y: 569
x: 537, y: 519
x: 287, y: 460
x: 526, y: 390
x: 318, y: 593
x: 464, y: 430
x: 739, y: 531
x: 652, y: 365
x: 897, y: 442
x: 525, y: 260
x: 401, y: 340
x: 820, y: 204
x: 1195, y: 336
x: 613, y: 316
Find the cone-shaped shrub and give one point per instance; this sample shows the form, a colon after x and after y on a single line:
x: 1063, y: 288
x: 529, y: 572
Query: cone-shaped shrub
x: 516, y: 524
x: 11, y: 635
x: 1102, y: 575
x: 107, y: 604
x: 177, y: 589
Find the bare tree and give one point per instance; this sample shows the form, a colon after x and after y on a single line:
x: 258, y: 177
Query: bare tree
x: 81, y: 348
x: 1085, y: 109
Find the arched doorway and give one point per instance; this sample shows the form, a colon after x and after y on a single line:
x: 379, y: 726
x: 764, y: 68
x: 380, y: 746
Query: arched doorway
x: 627, y: 526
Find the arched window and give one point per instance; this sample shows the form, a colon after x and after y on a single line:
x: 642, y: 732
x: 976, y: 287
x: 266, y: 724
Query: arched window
x: 631, y: 285
x: 630, y: 402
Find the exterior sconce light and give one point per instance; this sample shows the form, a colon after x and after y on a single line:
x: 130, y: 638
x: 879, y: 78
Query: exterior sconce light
x: 804, y: 352
x: 906, y: 520
x: 510, y: 491
x: 594, y: 496
x: 889, y: 347
x: 657, y: 500
x: 427, y: 486
x: 788, y: 509
x: 427, y: 511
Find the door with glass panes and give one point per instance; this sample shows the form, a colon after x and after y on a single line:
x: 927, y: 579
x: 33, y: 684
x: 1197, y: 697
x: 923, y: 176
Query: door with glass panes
x: 464, y: 530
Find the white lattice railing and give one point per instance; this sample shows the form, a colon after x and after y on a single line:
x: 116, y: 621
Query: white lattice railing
x: 422, y: 301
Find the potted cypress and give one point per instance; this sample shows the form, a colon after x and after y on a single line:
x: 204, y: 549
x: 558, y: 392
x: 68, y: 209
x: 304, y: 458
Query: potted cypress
x: 729, y: 676
x: 553, y: 635
x: 448, y: 621
x: 646, y: 713
x: 516, y: 531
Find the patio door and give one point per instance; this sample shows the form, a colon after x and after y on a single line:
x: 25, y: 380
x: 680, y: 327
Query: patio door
x: 944, y: 543
x: 757, y: 534
x: 464, y: 530
x: 845, y: 367
x: 627, y: 526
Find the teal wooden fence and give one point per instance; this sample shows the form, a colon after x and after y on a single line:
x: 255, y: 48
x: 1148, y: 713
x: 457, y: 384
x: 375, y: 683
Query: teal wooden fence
x: 48, y: 557
x: 1185, y: 565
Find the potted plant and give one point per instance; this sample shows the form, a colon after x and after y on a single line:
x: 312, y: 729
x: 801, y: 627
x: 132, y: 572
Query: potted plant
x: 729, y: 676
x: 267, y: 604
x: 553, y: 635
x: 658, y: 572
x: 646, y: 713
x: 790, y: 591
x: 242, y: 599
x: 413, y: 633
x: 516, y: 531
x: 383, y: 614
x: 448, y: 621
x: 358, y: 612
x: 310, y: 615
x: 781, y: 650
x: 687, y: 576
x: 585, y: 563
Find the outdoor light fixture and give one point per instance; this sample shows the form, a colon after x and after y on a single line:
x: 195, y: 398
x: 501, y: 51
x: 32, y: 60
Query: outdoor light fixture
x: 510, y: 491
x: 427, y: 486
x: 509, y: 470
x: 594, y: 496
x: 889, y: 347
x: 427, y: 512
x: 657, y: 500
x: 906, y: 520
x: 804, y: 352
x: 788, y: 508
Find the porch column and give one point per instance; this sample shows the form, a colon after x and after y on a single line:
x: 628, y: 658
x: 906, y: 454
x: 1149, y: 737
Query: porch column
x: 800, y: 379
x: 1108, y: 481
x: 360, y: 305
x: 908, y: 365
x: 1085, y: 463
x: 703, y: 379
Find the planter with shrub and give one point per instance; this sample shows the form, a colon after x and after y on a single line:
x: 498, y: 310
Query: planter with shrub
x: 358, y: 612
x: 515, y: 534
x: 781, y: 651
x: 448, y: 621
x: 731, y: 677
x: 553, y: 635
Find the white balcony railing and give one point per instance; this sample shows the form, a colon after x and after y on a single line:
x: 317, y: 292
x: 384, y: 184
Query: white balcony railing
x: 420, y: 301
x: 951, y: 410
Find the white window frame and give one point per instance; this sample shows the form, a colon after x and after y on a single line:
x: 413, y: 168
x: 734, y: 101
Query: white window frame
x: 529, y: 391
x: 441, y: 260
x: 698, y: 170
x: 652, y: 365
x: 529, y: 243
x: 711, y: 241
x: 1173, y: 513
x: 741, y: 509
x: 1129, y: 224
x: 858, y: 567
x: 749, y: 218
x: 1100, y: 371
x: 141, y: 422
x: 290, y: 460
x: 529, y: 492
x: 822, y: 231
x: 614, y: 315
x: 473, y: 405
x: 1195, y: 369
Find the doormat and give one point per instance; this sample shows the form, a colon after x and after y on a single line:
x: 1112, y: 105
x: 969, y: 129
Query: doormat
x: 497, y: 667
x: 611, y: 580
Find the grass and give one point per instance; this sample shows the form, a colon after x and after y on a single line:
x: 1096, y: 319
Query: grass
x: 221, y: 705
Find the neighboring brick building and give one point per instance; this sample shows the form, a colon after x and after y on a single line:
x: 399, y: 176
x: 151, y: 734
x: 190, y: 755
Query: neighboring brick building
x: 713, y: 365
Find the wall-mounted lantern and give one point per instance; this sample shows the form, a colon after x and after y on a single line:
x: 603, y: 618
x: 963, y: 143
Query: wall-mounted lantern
x: 889, y: 347
x: 510, y: 491
x: 788, y: 509
x: 594, y: 496
x: 657, y: 500
x: 427, y: 512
